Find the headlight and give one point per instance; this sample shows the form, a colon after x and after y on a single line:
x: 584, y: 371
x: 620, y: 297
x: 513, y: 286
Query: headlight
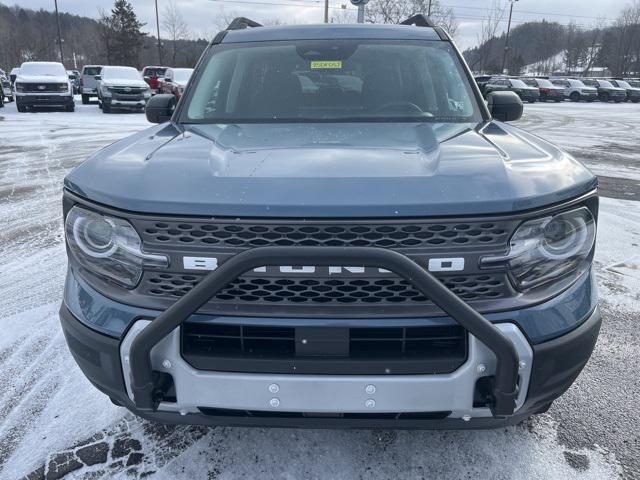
x: 549, y: 248
x: 19, y: 87
x: 108, y: 247
x: 106, y: 91
x: 63, y: 87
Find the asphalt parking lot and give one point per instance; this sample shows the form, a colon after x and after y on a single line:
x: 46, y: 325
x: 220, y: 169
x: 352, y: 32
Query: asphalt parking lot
x: 54, y: 424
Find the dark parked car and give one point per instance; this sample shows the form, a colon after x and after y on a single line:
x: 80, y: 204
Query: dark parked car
x: 153, y: 76
x: 548, y: 91
x: 606, y: 91
x: 372, y: 246
x: 74, y: 78
x: 482, y: 80
x: 524, y: 91
x: 633, y: 93
x: 6, y: 91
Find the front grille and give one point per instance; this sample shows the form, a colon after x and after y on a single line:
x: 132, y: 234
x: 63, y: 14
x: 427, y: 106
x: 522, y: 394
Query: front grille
x: 241, y: 234
x: 42, y: 87
x: 226, y: 413
x: 321, y: 291
x: 358, y: 350
x: 127, y: 90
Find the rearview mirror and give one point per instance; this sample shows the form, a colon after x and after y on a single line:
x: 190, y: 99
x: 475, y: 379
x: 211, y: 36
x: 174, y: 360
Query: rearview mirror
x: 160, y: 108
x: 505, y: 106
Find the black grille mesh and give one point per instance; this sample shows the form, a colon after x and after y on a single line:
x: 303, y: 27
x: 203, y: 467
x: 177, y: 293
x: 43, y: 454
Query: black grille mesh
x: 390, y: 235
x: 295, y: 290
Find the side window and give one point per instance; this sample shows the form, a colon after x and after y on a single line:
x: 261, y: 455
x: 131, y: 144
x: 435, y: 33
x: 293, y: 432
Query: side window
x: 169, y: 74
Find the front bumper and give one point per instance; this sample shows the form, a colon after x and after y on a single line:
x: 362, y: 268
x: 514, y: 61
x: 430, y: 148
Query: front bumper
x: 156, y: 381
x: 48, y: 100
x: 554, y: 366
x: 124, y: 104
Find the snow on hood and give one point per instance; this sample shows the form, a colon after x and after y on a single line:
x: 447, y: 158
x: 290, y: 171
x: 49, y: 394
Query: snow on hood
x: 42, y: 78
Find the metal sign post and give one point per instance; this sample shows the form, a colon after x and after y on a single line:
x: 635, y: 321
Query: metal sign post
x: 360, y: 4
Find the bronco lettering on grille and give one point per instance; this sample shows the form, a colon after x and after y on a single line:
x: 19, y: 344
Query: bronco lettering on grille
x: 433, y: 265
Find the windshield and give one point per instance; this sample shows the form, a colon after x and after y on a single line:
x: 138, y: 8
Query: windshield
x: 605, y: 84
x: 47, y: 69
x: 622, y: 84
x: 120, y: 73
x: 91, y: 71
x: 154, y: 72
x: 577, y: 83
x: 518, y: 83
x: 634, y: 83
x: 332, y: 81
x: 182, y: 75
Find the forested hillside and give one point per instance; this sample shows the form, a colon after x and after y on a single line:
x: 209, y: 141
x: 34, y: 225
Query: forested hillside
x: 32, y: 35
x: 613, y: 45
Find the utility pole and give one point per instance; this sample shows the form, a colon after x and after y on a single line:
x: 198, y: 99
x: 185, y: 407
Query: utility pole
x: 159, y: 43
x: 506, y: 43
x: 429, y: 9
x: 59, y: 32
x: 326, y: 11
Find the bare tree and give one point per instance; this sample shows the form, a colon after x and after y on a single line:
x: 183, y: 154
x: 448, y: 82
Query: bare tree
x: 488, y: 31
x: 395, y: 11
x: 176, y: 28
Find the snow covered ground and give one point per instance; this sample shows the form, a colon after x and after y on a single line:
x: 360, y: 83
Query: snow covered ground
x: 53, y: 422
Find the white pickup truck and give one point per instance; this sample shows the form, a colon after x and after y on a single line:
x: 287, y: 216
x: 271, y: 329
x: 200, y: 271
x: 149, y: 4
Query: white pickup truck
x: 43, y: 84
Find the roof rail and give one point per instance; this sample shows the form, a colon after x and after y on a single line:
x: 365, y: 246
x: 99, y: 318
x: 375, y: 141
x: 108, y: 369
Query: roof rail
x: 240, y: 23
x: 419, y: 20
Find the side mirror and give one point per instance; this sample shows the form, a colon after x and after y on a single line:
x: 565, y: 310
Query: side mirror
x: 97, y: 77
x: 146, y: 77
x: 160, y: 107
x: 505, y: 106
x: 167, y: 79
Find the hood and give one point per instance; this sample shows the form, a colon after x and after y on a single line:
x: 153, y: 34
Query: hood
x: 330, y: 170
x: 42, y: 78
x: 124, y: 82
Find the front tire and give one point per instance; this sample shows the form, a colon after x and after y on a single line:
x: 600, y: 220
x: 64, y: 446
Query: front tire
x: 574, y: 97
x: 106, y: 108
x: 10, y: 99
x: 604, y: 98
x: 85, y: 99
x: 70, y: 108
x: 22, y: 108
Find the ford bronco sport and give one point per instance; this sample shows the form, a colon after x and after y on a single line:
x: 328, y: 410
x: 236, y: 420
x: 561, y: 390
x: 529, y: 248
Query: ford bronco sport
x: 332, y: 228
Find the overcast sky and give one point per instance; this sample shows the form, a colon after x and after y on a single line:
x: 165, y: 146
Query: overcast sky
x: 204, y: 16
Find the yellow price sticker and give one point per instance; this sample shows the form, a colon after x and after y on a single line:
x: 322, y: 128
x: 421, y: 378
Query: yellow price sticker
x: 326, y: 64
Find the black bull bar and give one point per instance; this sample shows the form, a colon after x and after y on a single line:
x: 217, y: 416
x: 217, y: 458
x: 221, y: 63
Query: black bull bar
x: 146, y: 388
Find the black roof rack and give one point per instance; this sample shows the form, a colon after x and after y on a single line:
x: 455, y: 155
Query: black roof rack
x: 240, y: 23
x: 419, y: 20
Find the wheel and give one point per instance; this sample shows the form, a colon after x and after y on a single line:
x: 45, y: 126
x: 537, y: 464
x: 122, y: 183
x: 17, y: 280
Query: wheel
x: 532, y: 100
x: 635, y: 100
x: 604, y: 97
x: 106, y: 108
x: 85, y: 99
x: 558, y: 100
x: 70, y: 108
x: 617, y: 100
x: 22, y: 108
x: 574, y: 97
x: 10, y: 98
